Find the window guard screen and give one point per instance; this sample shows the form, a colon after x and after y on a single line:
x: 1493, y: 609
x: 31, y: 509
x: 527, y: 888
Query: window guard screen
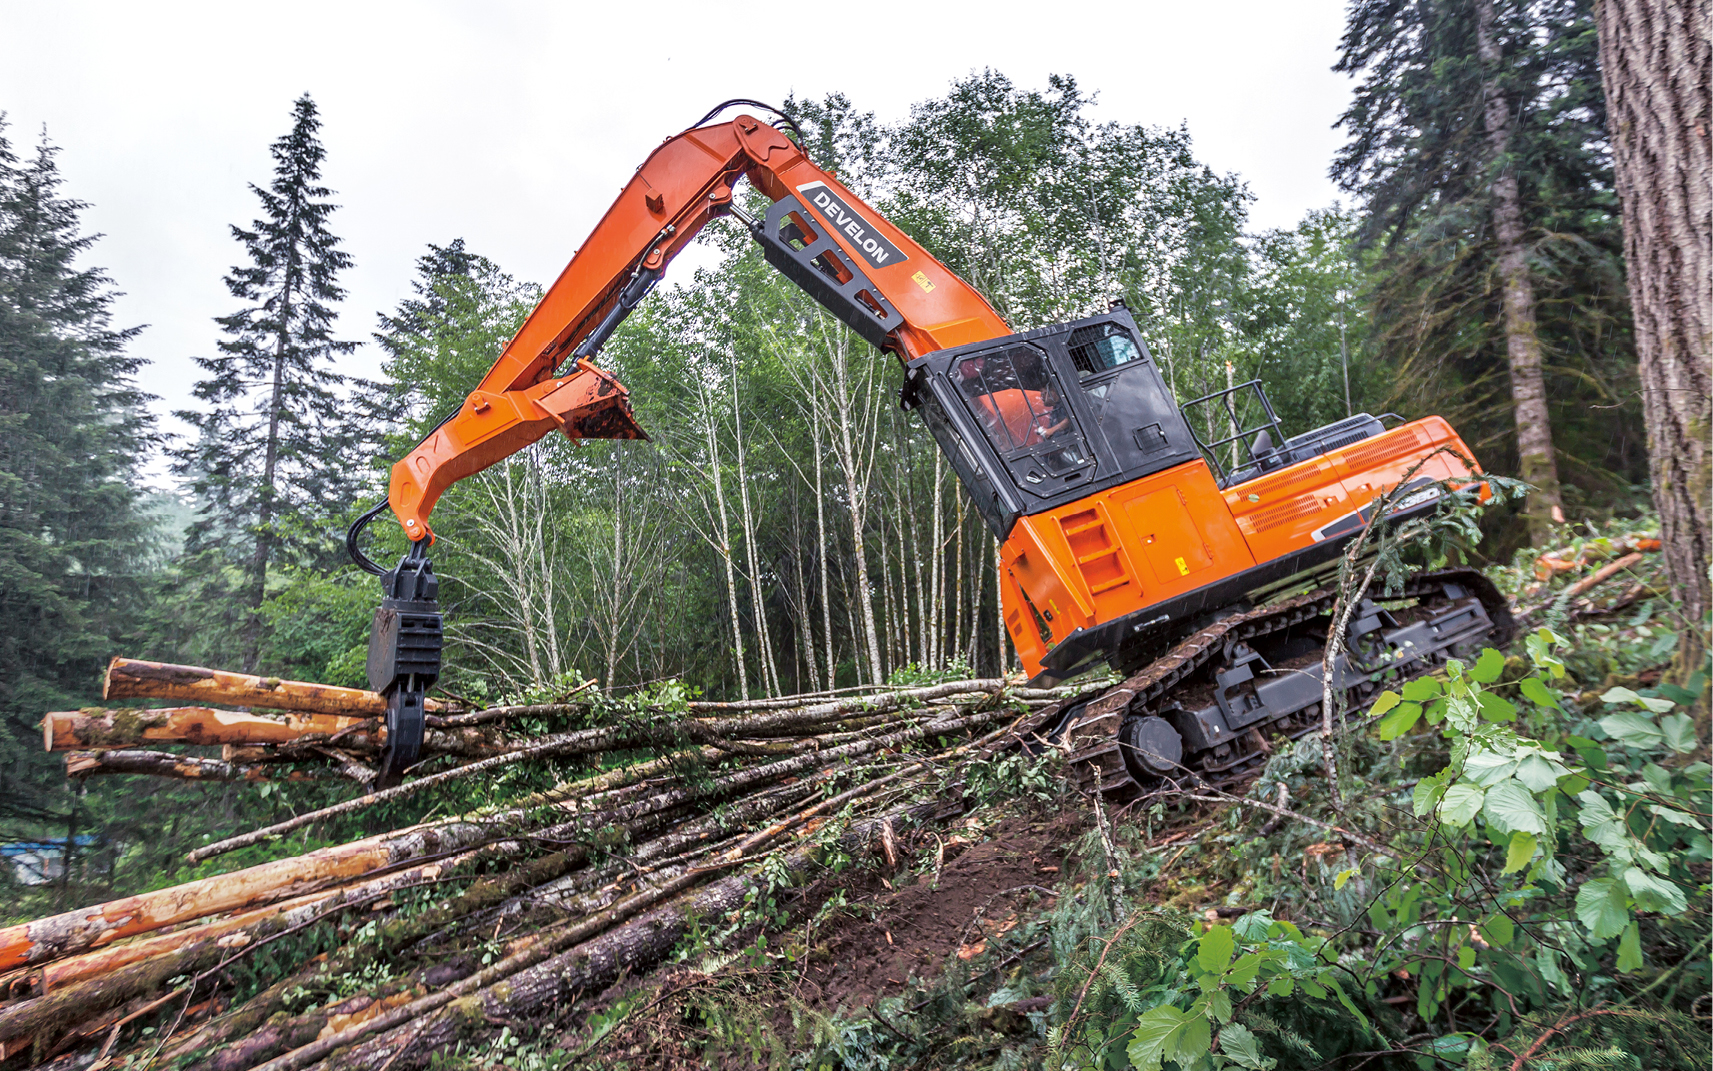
x: 1100, y: 348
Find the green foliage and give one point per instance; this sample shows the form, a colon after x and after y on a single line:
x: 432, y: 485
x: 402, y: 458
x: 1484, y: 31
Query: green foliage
x: 1015, y: 775
x: 1159, y: 989
x: 440, y: 343
x: 1417, y: 157
x: 318, y: 626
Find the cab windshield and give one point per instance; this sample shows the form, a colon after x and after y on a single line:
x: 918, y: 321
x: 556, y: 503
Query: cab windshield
x: 1017, y: 401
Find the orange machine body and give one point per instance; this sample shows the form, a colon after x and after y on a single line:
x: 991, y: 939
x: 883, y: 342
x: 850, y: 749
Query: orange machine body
x: 1166, y: 535
x: 1124, y: 530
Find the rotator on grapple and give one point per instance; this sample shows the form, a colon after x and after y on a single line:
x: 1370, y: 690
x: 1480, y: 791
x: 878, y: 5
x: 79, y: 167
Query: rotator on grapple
x: 1128, y: 538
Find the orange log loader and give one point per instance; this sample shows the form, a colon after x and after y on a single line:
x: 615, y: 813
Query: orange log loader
x: 1129, y: 537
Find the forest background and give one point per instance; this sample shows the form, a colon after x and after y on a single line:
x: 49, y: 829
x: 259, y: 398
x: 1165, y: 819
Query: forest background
x: 787, y: 528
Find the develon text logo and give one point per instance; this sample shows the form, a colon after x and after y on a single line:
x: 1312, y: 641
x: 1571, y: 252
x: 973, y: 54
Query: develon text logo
x: 858, y: 232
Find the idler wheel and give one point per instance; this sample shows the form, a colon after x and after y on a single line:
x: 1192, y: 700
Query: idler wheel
x: 1151, y: 747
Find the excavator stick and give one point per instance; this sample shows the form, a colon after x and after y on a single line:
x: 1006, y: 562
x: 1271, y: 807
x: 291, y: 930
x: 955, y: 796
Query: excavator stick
x: 407, y: 635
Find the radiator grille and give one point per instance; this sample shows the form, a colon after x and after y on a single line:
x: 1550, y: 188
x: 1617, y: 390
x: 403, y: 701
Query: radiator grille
x: 1284, y: 513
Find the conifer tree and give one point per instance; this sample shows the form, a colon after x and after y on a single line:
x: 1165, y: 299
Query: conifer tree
x: 1478, y: 148
x: 271, y: 458
x: 442, y: 341
x: 72, y: 431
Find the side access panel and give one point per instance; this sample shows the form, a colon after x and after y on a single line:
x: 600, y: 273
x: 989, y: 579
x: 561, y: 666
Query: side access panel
x: 1115, y: 552
x: 1285, y: 511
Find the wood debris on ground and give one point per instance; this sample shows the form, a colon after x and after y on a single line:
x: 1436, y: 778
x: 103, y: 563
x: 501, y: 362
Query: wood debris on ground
x: 514, y: 909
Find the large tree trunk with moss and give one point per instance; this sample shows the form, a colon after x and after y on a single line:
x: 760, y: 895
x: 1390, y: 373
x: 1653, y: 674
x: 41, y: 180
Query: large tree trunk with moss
x: 1654, y: 57
x: 1537, y: 462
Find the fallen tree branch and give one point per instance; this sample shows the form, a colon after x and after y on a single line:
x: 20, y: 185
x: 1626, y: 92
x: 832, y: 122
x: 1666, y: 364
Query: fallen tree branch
x: 1585, y: 585
x: 581, y: 742
x: 1296, y: 816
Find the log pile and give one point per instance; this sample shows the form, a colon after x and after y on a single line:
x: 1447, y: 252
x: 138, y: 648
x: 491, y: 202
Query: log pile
x: 507, y: 913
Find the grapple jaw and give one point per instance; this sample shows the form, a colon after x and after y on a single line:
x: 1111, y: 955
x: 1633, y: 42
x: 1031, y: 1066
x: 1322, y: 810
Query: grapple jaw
x: 405, y: 641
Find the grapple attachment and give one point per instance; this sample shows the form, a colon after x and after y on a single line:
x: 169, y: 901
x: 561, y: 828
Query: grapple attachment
x: 404, y: 657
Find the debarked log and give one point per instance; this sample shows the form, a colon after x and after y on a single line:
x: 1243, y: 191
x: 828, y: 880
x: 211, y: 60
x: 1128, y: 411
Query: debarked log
x: 71, y: 1003
x: 86, y: 928
x: 73, y: 730
x: 131, y: 678
x: 182, y: 767
x: 90, y: 728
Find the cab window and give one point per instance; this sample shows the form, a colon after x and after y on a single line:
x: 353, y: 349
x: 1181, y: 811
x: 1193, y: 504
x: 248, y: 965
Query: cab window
x: 1015, y: 397
x: 1100, y: 348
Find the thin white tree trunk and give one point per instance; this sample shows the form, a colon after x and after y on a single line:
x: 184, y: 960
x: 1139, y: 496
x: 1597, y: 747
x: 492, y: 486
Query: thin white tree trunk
x: 857, y: 470
x: 957, y: 623
x: 764, y: 639
x: 936, y: 574
x: 911, y: 543
x: 724, y: 543
x: 823, y: 549
x: 805, y: 630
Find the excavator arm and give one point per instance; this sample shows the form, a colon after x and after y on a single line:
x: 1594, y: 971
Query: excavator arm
x: 819, y: 234
x: 822, y: 236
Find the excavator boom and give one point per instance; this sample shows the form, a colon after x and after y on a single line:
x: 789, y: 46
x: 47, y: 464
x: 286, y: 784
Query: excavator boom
x: 849, y: 257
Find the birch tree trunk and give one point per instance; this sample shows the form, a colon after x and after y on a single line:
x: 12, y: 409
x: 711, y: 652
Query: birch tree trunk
x: 821, y: 542
x: 858, y: 466
x: 805, y: 628
x: 1538, y: 463
x: 957, y: 634
x: 722, y: 540
x: 937, y: 573
x: 1654, y: 59
x: 763, y: 638
x: 626, y: 566
x: 516, y: 550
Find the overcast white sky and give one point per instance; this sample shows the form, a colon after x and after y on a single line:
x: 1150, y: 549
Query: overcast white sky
x: 513, y: 125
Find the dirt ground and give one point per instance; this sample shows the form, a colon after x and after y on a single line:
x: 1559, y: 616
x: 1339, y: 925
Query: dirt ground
x: 904, y: 926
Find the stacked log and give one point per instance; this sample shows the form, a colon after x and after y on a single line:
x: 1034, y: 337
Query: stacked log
x: 622, y: 860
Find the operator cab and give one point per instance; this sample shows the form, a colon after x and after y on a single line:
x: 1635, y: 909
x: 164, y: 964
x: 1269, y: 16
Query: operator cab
x: 1039, y: 419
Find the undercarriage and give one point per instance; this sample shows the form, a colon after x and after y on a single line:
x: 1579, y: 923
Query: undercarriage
x: 1210, y: 709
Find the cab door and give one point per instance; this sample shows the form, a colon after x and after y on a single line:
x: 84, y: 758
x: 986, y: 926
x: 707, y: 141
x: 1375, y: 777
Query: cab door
x: 1132, y: 409
x: 1019, y: 402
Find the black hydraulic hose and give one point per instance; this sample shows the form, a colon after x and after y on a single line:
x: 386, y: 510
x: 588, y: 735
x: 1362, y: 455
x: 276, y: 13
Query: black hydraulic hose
x: 364, y: 562
x: 783, y: 115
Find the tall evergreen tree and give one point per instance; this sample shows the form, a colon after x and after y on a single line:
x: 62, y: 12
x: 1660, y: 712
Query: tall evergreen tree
x: 1478, y: 147
x: 72, y: 432
x: 270, y: 461
x: 442, y: 340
